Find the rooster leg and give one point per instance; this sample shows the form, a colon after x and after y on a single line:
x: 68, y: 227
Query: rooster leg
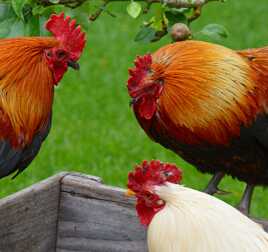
x: 244, y: 205
x: 212, y: 186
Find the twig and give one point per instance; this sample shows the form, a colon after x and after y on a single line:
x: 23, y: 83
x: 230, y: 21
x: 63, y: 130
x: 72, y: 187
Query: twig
x: 196, y: 14
x: 147, y: 7
x: 170, y: 3
x: 94, y: 16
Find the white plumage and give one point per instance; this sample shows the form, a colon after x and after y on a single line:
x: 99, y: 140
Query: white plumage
x: 192, y: 221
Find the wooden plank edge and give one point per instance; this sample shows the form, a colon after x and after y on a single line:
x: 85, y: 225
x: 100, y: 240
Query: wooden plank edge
x: 33, y: 188
x: 86, y: 186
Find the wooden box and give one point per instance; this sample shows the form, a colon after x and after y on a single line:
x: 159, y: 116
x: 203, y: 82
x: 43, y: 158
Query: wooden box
x: 70, y: 213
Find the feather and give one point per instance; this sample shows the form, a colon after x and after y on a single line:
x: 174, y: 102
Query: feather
x: 26, y: 95
x: 26, y: 86
x: 9, y: 157
x: 196, y: 72
x: 193, y: 221
x: 30, y: 151
x: 29, y: 69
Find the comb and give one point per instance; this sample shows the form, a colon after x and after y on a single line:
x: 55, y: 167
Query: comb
x: 137, y: 73
x: 65, y: 30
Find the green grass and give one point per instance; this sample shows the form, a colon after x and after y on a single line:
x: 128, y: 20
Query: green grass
x: 94, y: 130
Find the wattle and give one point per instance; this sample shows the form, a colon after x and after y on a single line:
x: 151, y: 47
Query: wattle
x: 146, y: 213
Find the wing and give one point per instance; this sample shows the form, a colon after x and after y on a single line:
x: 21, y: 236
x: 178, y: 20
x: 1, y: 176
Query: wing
x: 259, y: 130
x: 12, y: 159
x: 10, y: 152
x: 9, y: 157
x: 30, y: 152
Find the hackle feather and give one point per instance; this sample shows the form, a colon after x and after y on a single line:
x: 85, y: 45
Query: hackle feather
x: 26, y: 85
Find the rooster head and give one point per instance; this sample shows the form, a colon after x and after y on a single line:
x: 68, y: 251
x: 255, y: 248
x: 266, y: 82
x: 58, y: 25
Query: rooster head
x: 71, y: 44
x: 141, y: 183
x: 144, y: 86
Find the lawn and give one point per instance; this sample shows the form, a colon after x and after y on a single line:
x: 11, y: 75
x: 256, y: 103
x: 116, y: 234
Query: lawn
x: 94, y: 130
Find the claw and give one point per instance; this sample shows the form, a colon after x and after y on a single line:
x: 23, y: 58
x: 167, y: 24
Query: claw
x: 215, y: 190
x: 213, y: 183
x: 222, y: 192
x: 211, y: 190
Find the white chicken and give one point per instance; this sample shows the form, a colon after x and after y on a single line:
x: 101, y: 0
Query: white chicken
x: 181, y: 219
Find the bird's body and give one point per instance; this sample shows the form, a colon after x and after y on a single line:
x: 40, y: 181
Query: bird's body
x: 27, y: 77
x: 208, y: 104
x: 26, y: 99
x: 193, y: 221
x: 180, y: 219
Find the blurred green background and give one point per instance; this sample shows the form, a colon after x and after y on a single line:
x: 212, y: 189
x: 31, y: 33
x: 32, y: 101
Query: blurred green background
x: 94, y: 130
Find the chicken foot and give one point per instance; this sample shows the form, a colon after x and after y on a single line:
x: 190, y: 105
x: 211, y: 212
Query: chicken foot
x: 212, y: 186
x: 244, y: 205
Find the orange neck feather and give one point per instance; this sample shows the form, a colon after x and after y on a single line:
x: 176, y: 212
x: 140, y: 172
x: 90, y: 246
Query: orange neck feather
x: 26, y: 85
x: 207, y: 90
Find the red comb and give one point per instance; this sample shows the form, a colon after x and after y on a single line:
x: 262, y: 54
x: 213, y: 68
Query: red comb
x: 71, y: 37
x: 137, y: 73
x: 152, y: 172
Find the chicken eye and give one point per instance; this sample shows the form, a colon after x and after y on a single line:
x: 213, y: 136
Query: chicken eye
x: 61, y: 54
x: 160, y: 82
x: 48, y: 54
x: 167, y: 174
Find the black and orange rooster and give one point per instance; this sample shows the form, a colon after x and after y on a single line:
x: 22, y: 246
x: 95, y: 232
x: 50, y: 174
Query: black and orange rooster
x: 209, y: 104
x: 29, y: 69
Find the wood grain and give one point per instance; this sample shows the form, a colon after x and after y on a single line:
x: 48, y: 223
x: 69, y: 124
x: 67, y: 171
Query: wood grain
x: 29, y: 218
x: 97, y: 218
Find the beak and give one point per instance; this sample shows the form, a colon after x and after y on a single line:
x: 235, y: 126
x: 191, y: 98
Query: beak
x: 73, y: 65
x: 130, y: 193
x: 132, y: 101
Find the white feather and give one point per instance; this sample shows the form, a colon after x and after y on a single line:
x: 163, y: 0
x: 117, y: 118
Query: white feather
x: 192, y: 221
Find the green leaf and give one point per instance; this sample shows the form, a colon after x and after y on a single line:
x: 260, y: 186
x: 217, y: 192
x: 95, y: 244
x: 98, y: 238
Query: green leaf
x: 47, y: 11
x: 32, y: 27
x: 27, y: 12
x: 7, y: 19
x: 175, y: 17
x: 215, y: 31
x: 146, y: 34
x: 159, y: 20
x: 79, y: 14
x: 5, y: 27
x: 38, y: 10
x: 17, y: 6
x: 17, y: 28
x: 43, y: 32
x: 54, y: 1
x: 184, y: 10
x: 6, y: 12
x: 134, y: 9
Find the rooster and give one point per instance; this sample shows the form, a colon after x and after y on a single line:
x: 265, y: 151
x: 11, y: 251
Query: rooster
x: 208, y: 104
x: 186, y: 220
x: 30, y: 67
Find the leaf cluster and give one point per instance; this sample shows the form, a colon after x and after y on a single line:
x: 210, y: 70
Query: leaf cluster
x: 27, y: 17
x: 161, y: 18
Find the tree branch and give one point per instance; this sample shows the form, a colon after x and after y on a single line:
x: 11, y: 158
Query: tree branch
x: 186, y: 3
x: 171, y: 3
x: 94, y: 16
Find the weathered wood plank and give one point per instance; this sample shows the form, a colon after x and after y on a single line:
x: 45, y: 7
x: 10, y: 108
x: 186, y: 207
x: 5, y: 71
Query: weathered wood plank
x: 29, y: 218
x: 86, y: 245
x: 90, y: 187
x: 97, y: 218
